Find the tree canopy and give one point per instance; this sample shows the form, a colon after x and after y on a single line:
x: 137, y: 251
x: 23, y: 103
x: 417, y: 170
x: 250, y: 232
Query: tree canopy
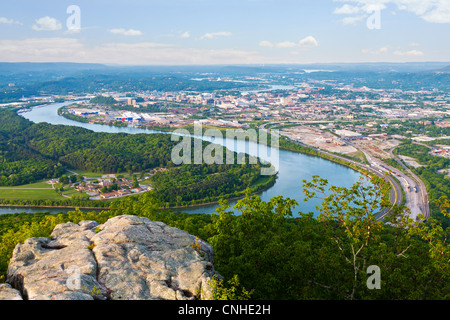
x: 265, y: 253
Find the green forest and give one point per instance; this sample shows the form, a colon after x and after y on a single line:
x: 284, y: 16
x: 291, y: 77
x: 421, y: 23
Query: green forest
x: 32, y: 152
x: 265, y: 253
x: 112, y: 80
x: 197, y: 184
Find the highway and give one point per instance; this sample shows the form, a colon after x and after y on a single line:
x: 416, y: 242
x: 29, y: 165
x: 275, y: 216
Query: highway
x: 416, y: 197
x: 418, y: 201
x: 396, y: 196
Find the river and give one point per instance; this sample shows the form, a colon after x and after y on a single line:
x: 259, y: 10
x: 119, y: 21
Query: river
x: 293, y: 166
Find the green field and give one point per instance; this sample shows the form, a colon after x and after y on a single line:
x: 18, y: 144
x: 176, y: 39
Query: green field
x: 36, y: 185
x: 44, y: 191
x: 29, y: 194
x: 94, y: 175
x: 86, y: 174
x: 34, y: 191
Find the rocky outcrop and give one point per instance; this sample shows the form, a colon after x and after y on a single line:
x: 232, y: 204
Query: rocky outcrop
x: 8, y: 293
x: 128, y: 258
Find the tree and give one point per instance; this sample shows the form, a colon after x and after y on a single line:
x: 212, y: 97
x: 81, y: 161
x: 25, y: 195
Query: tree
x: 64, y: 179
x: 437, y: 237
x: 348, y: 218
x: 252, y: 244
x: 329, y: 256
x: 353, y: 211
x: 135, y: 182
x: 230, y: 290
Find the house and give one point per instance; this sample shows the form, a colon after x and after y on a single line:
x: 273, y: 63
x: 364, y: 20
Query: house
x: 105, y: 183
x: 123, y: 192
x: 109, y: 195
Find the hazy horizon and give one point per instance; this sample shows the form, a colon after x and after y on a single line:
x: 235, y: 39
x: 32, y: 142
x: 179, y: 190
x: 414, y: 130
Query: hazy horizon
x: 218, y: 32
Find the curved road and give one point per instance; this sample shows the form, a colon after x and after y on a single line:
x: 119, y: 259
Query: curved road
x: 417, y: 200
x: 415, y: 191
x: 396, y: 197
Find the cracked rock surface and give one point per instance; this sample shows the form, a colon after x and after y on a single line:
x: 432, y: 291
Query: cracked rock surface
x: 126, y: 258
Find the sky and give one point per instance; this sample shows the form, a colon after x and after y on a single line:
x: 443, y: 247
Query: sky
x: 204, y: 32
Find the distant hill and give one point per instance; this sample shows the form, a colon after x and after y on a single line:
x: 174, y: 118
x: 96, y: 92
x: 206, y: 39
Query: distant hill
x: 20, y: 67
x: 444, y: 70
x: 19, y: 80
x: 23, y: 73
x: 377, y: 67
x: 68, y: 68
x: 103, y: 100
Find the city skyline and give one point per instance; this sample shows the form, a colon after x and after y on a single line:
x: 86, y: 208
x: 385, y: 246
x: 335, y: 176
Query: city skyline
x: 206, y: 32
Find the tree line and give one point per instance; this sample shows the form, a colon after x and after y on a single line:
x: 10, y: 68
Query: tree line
x: 268, y: 254
x: 32, y: 152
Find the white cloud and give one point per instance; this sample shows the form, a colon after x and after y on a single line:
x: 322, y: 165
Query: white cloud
x: 72, y: 31
x: 47, y: 24
x: 438, y: 15
x: 216, y: 34
x: 267, y: 44
x: 186, y: 35
x: 129, y: 32
x: 309, y: 41
x: 39, y: 49
x: 385, y: 50
x: 4, y: 20
x: 411, y: 53
x: 382, y: 50
x: 435, y: 11
x: 347, y: 9
x: 286, y: 44
x: 145, y: 53
x: 353, y: 20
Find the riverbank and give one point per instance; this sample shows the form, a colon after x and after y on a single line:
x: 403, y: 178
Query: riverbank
x: 394, y: 193
x: 305, y: 150
x: 209, y: 184
x: 199, y: 206
x: 285, y: 144
x: 8, y: 210
x: 53, y: 207
x: 293, y: 167
x: 196, y: 206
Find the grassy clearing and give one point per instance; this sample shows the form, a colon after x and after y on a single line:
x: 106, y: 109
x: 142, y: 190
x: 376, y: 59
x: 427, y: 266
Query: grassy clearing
x: 29, y: 194
x: 33, y: 191
x: 358, y: 155
x: 36, y: 185
x: 87, y: 174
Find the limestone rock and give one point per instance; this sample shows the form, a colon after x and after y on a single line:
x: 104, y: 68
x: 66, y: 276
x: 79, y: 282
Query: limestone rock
x: 128, y: 258
x: 8, y: 293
